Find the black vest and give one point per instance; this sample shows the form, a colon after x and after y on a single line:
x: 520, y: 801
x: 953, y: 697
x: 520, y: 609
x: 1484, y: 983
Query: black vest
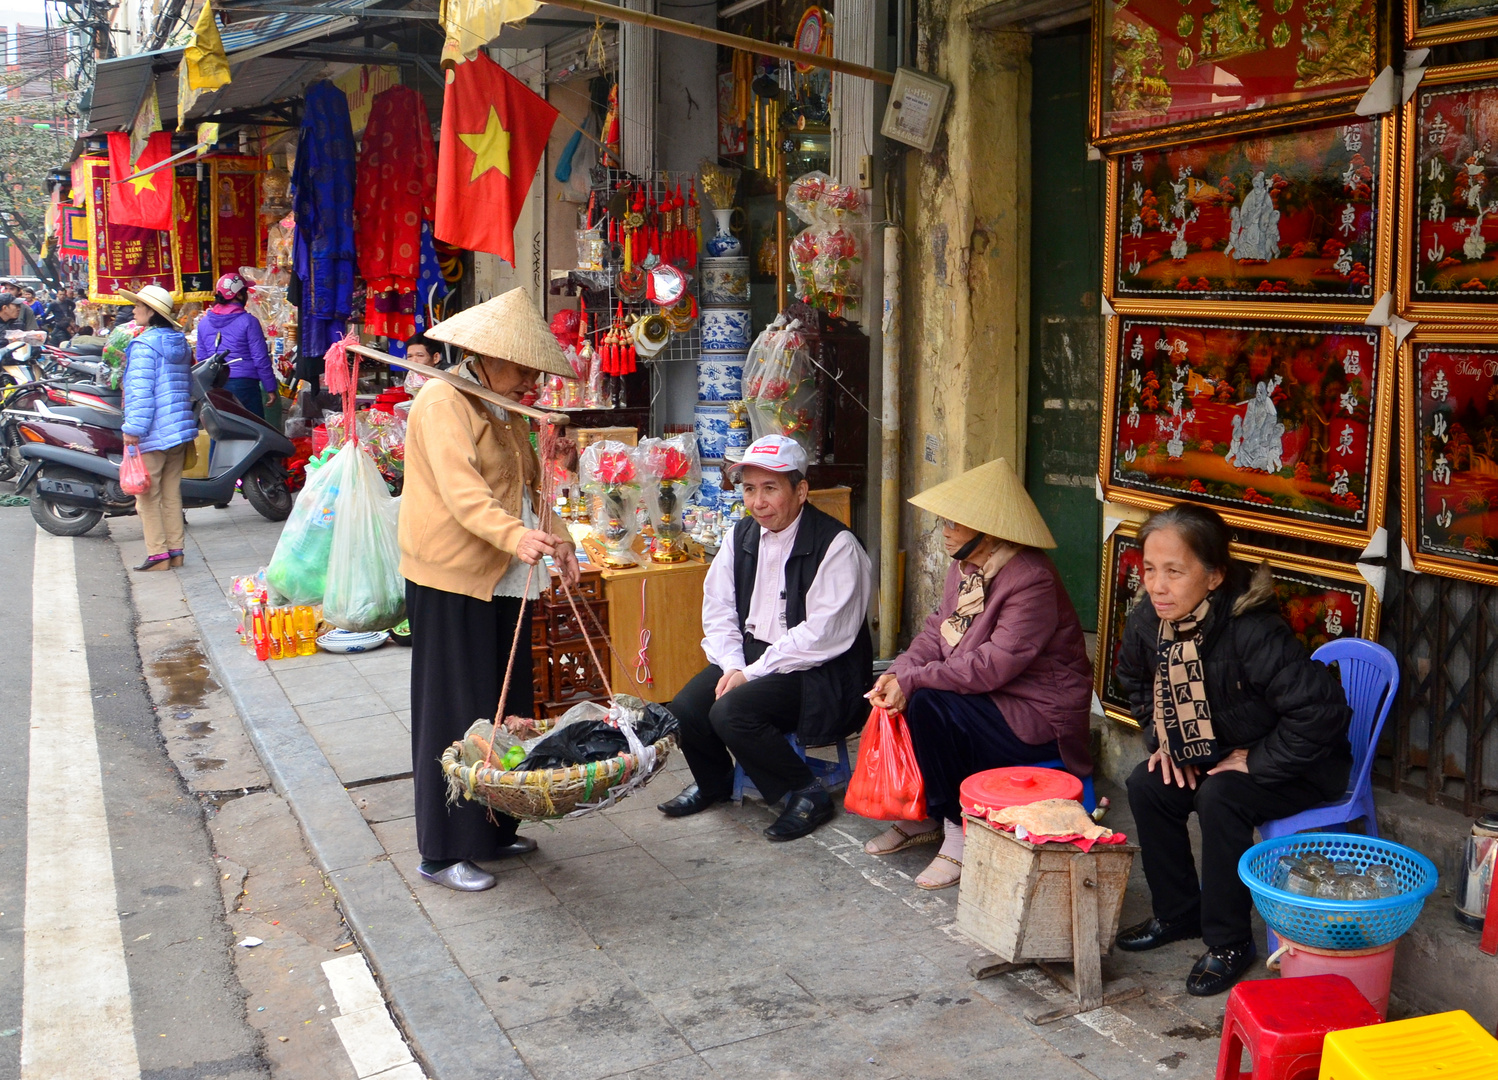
x: 832, y: 701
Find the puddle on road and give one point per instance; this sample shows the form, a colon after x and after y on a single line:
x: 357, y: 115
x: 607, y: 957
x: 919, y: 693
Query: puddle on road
x: 183, y: 670
x: 199, y: 730
x: 207, y: 764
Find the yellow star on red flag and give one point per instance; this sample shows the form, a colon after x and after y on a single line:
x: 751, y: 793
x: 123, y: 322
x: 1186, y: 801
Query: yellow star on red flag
x: 491, y: 147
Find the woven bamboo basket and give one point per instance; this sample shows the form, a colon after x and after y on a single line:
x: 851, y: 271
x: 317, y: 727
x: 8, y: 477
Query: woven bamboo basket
x: 543, y: 794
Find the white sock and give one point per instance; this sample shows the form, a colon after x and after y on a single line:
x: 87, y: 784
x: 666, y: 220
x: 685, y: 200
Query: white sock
x: 951, y: 846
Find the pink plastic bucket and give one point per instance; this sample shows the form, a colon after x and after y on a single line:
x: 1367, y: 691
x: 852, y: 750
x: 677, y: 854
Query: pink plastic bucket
x: 1371, y: 970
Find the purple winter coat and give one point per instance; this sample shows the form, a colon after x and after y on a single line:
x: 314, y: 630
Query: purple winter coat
x: 1025, y: 651
x: 242, y: 337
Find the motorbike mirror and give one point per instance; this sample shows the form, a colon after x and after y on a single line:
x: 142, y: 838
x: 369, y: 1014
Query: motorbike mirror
x: 218, y: 339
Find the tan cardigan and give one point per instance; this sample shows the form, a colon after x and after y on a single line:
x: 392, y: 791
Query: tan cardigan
x: 460, y: 507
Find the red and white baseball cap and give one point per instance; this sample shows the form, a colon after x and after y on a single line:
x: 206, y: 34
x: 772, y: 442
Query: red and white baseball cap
x: 773, y: 453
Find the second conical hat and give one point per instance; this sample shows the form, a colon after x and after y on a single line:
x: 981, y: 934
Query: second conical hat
x: 992, y: 500
x: 508, y: 327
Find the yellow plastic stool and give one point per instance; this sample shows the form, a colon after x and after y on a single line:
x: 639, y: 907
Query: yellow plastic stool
x: 1447, y: 1046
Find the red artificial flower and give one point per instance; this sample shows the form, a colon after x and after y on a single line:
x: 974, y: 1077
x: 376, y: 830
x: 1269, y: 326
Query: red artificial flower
x: 667, y: 462
x: 615, y: 467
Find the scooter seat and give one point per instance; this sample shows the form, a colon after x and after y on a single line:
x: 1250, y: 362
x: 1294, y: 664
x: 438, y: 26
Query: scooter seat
x: 86, y: 350
x: 92, y: 417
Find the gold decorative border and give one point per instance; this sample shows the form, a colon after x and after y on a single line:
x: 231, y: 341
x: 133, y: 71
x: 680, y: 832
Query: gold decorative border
x: 1382, y: 419
x: 1409, y: 457
x: 1447, y: 33
x: 1408, y: 306
x: 1278, y: 560
x: 1333, y: 105
x: 1297, y: 311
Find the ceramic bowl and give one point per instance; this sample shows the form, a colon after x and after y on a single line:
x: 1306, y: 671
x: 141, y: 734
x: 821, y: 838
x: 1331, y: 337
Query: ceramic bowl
x: 720, y: 377
x: 348, y: 641
x: 711, y: 425
x: 726, y: 329
x: 725, y: 282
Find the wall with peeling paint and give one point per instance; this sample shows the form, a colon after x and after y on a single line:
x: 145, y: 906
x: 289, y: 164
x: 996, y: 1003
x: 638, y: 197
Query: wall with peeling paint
x: 966, y: 284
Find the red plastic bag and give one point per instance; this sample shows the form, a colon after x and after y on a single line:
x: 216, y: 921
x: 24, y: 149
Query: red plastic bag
x: 887, y: 784
x: 133, y: 476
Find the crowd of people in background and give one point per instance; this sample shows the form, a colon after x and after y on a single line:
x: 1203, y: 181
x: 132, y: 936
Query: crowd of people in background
x: 23, y: 307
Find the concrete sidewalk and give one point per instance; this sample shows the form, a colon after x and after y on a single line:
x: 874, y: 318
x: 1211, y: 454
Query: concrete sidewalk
x: 635, y: 945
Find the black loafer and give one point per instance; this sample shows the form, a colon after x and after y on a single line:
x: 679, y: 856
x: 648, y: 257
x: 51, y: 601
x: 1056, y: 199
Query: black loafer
x: 804, y: 811
x: 1219, y: 968
x: 691, y: 801
x: 1152, y: 933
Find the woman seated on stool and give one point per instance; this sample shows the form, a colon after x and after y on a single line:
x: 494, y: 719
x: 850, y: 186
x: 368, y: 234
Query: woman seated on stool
x: 1242, y: 726
x: 1000, y: 674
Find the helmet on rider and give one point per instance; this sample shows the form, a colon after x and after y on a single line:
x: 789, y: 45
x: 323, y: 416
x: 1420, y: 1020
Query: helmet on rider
x: 231, y: 289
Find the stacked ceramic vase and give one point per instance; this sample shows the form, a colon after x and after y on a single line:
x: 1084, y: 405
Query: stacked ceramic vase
x: 726, y: 334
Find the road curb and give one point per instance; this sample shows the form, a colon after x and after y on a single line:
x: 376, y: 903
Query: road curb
x: 451, y: 1030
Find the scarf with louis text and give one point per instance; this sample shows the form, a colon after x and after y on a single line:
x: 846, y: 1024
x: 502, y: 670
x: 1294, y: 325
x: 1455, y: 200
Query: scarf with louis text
x: 1183, y: 719
x: 972, y: 594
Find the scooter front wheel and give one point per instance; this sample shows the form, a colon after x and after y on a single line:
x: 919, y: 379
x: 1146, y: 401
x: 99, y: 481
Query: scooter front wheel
x: 60, y: 520
x: 265, y: 487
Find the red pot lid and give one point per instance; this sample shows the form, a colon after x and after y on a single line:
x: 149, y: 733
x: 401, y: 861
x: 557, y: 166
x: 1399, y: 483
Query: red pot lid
x: 994, y: 789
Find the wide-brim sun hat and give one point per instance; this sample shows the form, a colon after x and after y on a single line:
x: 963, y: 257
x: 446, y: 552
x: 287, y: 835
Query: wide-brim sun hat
x: 157, y: 299
x: 508, y: 328
x: 992, y: 500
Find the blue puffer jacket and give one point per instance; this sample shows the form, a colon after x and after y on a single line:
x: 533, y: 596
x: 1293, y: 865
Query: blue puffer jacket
x: 158, y: 390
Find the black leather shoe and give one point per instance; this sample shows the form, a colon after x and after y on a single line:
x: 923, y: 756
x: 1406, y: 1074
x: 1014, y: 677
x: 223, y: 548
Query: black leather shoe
x: 523, y: 845
x: 804, y: 811
x: 1152, y: 933
x: 1219, y: 968
x: 693, y: 800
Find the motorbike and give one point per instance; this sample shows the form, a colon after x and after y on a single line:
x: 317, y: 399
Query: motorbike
x: 67, y: 442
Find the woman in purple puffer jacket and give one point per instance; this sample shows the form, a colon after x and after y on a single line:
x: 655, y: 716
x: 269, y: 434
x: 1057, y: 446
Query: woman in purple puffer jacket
x: 244, y: 338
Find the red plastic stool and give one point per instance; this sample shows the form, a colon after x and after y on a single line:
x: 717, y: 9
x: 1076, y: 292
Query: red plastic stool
x: 1282, y: 1022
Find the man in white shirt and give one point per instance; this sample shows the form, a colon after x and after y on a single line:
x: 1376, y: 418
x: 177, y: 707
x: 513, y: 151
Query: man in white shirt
x: 784, y: 618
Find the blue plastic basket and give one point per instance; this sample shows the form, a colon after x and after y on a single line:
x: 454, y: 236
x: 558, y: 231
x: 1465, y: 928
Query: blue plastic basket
x: 1338, y: 924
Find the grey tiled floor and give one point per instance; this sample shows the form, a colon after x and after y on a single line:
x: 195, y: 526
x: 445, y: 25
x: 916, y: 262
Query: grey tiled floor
x: 634, y: 945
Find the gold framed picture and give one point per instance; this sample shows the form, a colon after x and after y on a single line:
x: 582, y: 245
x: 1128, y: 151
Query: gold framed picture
x: 1279, y: 427
x: 1320, y: 599
x: 1445, y: 22
x: 1294, y: 224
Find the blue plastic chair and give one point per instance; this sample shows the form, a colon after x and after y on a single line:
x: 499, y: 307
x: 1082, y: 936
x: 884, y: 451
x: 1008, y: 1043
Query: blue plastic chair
x: 831, y: 773
x: 1089, y: 799
x: 1370, y: 678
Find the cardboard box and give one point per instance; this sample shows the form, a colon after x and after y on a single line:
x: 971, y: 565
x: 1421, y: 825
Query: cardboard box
x: 627, y: 435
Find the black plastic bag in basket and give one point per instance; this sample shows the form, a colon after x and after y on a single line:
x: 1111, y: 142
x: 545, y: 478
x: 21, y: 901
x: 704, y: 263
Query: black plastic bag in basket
x: 594, y: 740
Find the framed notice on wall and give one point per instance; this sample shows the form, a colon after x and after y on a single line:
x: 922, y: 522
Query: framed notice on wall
x: 1278, y: 427
x: 1295, y: 223
x: 1320, y: 599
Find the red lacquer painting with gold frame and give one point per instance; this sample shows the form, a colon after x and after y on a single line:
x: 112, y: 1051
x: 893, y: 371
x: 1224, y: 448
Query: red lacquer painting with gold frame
x: 1449, y: 379
x: 1283, y: 428
x: 1164, y: 70
x: 1321, y: 600
x: 1295, y: 223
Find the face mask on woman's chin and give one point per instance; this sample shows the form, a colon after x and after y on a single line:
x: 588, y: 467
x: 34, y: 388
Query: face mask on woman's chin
x: 962, y: 553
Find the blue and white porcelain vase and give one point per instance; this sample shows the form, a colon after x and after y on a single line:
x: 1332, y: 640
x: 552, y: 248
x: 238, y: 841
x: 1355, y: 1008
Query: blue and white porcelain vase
x: 726, y: 329
x: 710, y: 422
x: 720, y: 376
x: 723, y: 242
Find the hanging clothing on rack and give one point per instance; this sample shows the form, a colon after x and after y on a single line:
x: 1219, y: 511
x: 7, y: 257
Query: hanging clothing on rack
x: 396, y: 191
x: 322, y: 191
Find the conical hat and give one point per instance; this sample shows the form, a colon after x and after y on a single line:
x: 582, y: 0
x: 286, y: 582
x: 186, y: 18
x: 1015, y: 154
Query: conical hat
x: 992, y: 500
x: 508, y: 327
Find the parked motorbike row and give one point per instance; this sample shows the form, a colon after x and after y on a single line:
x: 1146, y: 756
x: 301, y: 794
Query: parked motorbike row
x: 60, y: 440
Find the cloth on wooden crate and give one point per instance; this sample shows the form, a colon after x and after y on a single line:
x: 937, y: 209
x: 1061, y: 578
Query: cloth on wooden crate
x: 1054, y: 821
x: 596, y: 740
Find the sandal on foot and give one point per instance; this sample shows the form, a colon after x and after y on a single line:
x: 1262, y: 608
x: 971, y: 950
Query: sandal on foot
x: 929, y: 879
x: 906, y: 840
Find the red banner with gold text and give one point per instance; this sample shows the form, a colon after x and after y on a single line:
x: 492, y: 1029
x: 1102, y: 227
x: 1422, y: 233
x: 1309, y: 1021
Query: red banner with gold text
x: 123, y: 256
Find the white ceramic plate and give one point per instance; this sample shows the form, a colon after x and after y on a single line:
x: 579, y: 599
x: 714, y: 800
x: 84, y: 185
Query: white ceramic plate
x: 347, y: 641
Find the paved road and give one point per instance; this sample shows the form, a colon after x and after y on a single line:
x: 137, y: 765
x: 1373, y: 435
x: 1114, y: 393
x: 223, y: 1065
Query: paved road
x: 114, y: 951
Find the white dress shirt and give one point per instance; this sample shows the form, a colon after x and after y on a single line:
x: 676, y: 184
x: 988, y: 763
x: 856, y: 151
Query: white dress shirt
x: 836, y: 606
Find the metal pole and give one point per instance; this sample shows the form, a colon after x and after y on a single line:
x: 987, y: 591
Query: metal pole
x: 889, y: 451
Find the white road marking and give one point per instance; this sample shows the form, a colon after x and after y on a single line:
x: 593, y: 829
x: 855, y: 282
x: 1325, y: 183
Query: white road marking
x: 370, y: 1038
x: 75, y: 1006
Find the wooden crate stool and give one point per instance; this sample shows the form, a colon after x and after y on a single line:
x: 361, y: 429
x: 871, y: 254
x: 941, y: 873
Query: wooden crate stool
x: 1044, y: 903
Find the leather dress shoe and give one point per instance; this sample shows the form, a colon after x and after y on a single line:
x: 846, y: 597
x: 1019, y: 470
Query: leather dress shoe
x: 804, y: 811
x: 522, y: 845
x: 692, y: 800
x: 1152, y: 933
x: 462, y: 877
x: 1219, y: 968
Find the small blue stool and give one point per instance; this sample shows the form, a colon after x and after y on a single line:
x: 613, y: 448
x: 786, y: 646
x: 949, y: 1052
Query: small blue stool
x: 831, y: 773
x: 1089, y: 800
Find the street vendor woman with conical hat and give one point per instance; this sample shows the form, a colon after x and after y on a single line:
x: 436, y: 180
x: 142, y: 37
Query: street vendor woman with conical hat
x: 471, y: 551
x: 1000, y: 674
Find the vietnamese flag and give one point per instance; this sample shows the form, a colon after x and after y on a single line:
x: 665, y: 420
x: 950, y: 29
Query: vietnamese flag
x: 147, y: 200
x: 494, y: 131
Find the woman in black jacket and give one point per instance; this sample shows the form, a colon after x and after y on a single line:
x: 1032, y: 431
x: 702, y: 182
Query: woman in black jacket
x: 1242, y: 726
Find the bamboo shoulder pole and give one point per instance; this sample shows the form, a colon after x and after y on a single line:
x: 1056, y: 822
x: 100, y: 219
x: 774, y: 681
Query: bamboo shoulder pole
x: 472, y: 389
x: 722, y: 37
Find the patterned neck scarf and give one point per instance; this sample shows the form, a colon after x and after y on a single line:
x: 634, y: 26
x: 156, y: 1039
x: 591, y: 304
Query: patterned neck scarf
x: 972, y: 594
x: 1183, y: 719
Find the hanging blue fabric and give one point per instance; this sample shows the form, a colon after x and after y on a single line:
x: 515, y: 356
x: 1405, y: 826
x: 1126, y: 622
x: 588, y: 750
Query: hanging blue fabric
x: 564, y: 163
x: 322, y: 192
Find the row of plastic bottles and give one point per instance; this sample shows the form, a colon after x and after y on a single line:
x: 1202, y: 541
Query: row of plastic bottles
x: 279, y: 633
x: 1334, y: 879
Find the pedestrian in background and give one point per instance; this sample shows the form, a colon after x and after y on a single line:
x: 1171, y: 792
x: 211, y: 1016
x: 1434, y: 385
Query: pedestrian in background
x: 228, y: 326
x: 157, y: 402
